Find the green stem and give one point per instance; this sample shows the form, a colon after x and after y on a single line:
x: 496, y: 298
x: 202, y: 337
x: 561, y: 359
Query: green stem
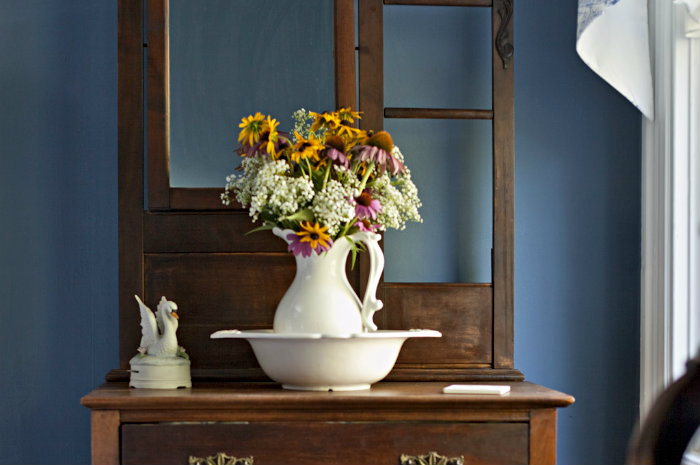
x: 363, y: 183
x: 327, y: 175
x: 309, y: 166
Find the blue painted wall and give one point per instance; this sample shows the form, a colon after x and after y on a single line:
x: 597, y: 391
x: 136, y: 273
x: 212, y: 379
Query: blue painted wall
x: 58, y: 223
x: 577, y: 229
x: 577, y: 246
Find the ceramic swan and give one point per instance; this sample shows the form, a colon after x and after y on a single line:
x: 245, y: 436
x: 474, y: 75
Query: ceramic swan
x: 158, y: 332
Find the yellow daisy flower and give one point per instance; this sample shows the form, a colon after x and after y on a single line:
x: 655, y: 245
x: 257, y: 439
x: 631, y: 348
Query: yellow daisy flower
x: 306, y: 148
x: 328, y: 120
x: 345, y: 114
x: 251, y: 127
x: 315, y: 235
x: 272, y: 137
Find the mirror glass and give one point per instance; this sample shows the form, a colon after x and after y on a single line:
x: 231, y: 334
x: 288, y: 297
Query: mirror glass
x: 440, y: 57
x: 451, y: 164
x: 229, y: 59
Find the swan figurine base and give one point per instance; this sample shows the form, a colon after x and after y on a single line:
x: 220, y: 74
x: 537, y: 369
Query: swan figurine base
x: 317, y: 362
x: 153, y: 372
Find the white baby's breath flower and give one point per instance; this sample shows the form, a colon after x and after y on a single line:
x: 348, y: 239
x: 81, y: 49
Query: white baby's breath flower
x: 333, y: 206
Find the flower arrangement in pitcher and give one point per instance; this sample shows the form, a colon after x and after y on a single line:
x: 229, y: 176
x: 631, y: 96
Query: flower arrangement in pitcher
x: 326, y: 180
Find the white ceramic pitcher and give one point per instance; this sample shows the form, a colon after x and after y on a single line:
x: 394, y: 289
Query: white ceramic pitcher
x: 320, y: 300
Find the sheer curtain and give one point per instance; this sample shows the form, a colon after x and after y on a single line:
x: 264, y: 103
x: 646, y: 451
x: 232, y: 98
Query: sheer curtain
x: 670, y: 313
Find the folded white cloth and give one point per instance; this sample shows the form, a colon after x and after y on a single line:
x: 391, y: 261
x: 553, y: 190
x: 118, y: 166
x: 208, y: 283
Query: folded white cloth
x: 613, y: 40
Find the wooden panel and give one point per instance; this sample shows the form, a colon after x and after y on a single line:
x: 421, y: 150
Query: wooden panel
x: 219, y: 291
x: 437, y: 113
x: 158, y: 84
x: 543, y: 437
x: 461, y: 311
x: 344, y: 37
x: 439, y: 2
x: 371, y: 63
x: 503, y: 183
x: 104, y: 432
x: 130, y: 179
x: 188, y: 232
x: 316, y: 443
x: 198, y: 198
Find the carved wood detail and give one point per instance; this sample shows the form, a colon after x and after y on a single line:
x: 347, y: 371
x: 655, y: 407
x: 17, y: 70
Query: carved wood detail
x: 504, y: 39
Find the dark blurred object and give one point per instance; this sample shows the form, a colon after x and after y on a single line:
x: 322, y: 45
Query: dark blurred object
x: 675, y: 416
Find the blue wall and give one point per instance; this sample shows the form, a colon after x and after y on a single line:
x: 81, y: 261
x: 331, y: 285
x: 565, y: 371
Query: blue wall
x: 58, y: 223
x: 577, y: 229
x: 577, y: 246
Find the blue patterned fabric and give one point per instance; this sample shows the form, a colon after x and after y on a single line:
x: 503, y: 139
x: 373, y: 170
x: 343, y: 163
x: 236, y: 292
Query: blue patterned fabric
x: 588, y: 10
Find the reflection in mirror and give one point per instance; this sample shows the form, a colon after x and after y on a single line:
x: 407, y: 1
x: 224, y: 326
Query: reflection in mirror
x: 229, y: 59
x: 440, y: 57
x: 451, y: 164
x: 437, y: 57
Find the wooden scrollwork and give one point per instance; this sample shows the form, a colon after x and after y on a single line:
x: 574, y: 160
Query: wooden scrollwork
x: 431, y: 458
x: 221, y: 459
x: 504, y: 44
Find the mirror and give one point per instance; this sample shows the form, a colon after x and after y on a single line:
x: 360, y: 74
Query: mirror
x: 229, y: 59
x: 440, y: 57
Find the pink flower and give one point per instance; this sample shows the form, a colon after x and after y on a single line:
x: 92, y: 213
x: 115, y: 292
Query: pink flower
x: 338, y: 157
x: 383, y: 159
x: 366, y: 206
x: 366, y: 226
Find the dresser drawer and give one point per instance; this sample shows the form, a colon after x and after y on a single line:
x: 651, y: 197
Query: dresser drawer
x: 327, y: 443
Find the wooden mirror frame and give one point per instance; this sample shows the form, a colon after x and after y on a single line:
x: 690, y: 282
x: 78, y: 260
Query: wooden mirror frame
x: 161, y: 196
x: 476, y: 319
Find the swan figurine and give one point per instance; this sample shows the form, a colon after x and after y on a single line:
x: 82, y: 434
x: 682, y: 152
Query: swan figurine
x: 158, y: 332
x: 160, y: 363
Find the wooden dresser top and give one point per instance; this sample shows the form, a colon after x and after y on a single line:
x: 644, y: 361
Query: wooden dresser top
x: 234, y: 401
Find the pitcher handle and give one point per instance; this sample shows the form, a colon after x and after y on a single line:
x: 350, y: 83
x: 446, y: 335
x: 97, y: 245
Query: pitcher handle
x: 370, y: 303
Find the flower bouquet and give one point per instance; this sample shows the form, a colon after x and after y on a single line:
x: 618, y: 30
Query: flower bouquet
x: 325, y: 181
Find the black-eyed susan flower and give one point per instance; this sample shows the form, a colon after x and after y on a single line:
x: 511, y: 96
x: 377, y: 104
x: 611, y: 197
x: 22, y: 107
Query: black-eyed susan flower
x: 312, y: 237
x: 324, y: 120
x: 306, y: 148
x: 251, y: 128
x: 346, y: 114
x: 268, y: 139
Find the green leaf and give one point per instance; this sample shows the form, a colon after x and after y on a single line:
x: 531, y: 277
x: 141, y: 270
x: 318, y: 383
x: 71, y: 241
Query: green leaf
x: 302, y: 215
x: 264, y: 227
x: 355, y: 248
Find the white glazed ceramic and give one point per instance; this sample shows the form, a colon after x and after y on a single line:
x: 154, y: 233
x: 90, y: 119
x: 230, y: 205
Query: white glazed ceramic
x: 317, y: 362
x: 321, y: 300
x: 159, y: 366
x: 153, y: 372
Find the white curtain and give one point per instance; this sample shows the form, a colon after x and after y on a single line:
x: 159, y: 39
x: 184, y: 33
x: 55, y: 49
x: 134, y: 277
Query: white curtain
x: 613, y: 40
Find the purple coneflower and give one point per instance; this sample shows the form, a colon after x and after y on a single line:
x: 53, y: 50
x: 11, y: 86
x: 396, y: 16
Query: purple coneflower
x: 366, y: 206
x: 335, y: 150
x: 377, y: 150
x: 366, y: 226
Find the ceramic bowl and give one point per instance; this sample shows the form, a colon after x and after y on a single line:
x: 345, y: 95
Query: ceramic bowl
x: 315, y: 362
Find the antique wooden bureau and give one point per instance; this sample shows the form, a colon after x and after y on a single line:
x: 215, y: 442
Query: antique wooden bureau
x: 182, y: 243
x: 379, y: 426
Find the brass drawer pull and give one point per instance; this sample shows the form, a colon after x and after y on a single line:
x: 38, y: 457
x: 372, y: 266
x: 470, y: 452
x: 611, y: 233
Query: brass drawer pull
x: 432, y: 458
x: 221, y: 459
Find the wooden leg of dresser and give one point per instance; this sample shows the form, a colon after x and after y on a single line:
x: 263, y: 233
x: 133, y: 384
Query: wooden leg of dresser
x: 543, y: 437
x: 105, y: 437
